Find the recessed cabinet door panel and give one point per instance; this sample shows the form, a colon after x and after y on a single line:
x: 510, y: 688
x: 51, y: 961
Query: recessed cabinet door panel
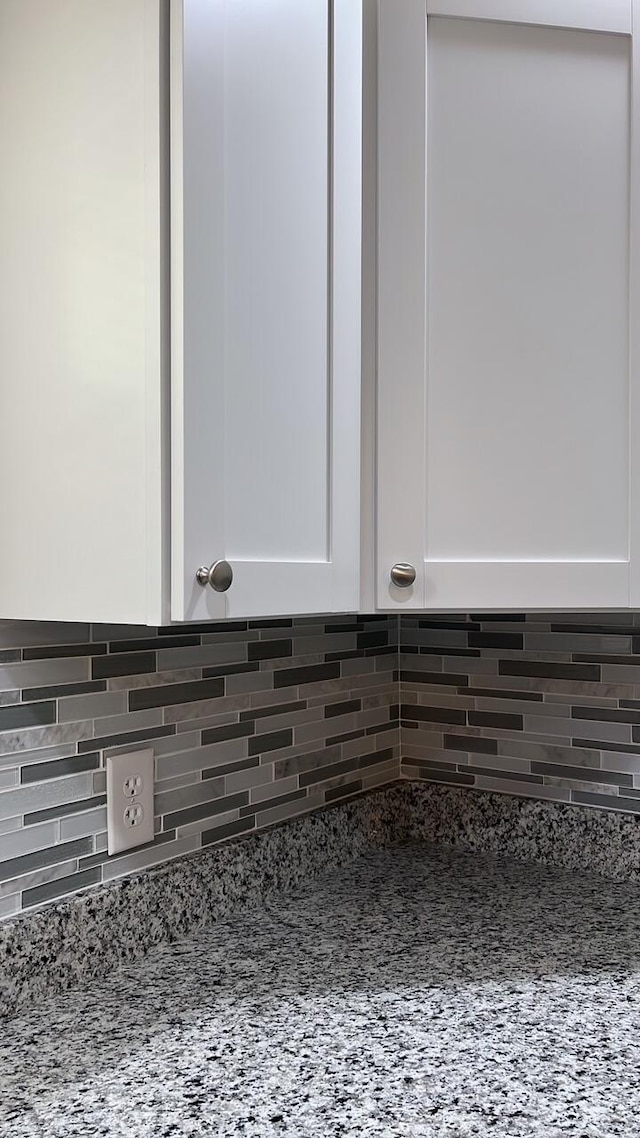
x: 266, y: 106
x: 516, y: 486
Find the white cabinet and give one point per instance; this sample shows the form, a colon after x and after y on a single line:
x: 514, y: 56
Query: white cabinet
x: 508, y: 319
x: 266, y: 192
x: 180, y: 277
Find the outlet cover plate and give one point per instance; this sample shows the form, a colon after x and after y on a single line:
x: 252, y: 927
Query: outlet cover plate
x: 128, y: 827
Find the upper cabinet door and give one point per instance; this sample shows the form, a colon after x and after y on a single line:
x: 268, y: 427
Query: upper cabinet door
x: 509, y: 213
x: 266, y: 106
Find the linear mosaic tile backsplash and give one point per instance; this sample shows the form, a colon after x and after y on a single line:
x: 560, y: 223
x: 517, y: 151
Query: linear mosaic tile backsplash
x: 543, y: 705
x: 255, y: 722
x: 251, y: 723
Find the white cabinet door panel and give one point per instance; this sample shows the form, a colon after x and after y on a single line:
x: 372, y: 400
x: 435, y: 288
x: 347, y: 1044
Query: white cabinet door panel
x: 81, y: 520
x: 504, y: 318
x: 589, y: 15
x: 266, y: 119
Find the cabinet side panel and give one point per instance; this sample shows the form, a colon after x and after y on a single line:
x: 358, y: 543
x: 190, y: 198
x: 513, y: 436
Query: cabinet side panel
x: 528, y: 232
x: 634, y: 317
x: 75, y: 307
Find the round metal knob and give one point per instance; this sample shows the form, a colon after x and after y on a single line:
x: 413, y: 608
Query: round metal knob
x: 219, y: 576
x: 402, y: 575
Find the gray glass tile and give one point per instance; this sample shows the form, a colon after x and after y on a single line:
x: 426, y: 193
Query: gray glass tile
x: 64, y: 808
x: 56, y: 768
x: 59, y: 888
x: 230, y: 830
x: 609, y: 801
x: 269, y: 803
x: 207, y: 809
x: 595, y: 774
x: 126, y: 737
x: 24, y: 715
x: 345, y: 791
x: 44, y: 794
x: 63, y: 851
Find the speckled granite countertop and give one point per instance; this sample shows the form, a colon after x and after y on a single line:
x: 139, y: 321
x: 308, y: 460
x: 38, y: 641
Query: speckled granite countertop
x: 417, y: 992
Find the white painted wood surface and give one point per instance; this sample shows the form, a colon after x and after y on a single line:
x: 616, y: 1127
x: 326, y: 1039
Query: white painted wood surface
x: 266, y: 231
x: 504, y: 379
x: 402, y: 296
x: 80, y: 338
x: 634, y: 319
x: 589, y: 15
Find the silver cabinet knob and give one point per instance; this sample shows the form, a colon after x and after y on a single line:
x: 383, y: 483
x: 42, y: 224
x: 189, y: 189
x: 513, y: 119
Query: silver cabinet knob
x: 219, y: 576
x: 402, y: 575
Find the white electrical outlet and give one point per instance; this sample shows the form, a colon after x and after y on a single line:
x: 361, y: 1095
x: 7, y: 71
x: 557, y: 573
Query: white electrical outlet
x: 129, y: 800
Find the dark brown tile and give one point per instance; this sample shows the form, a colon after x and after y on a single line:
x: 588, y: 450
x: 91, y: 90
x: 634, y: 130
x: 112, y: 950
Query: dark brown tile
x: 52, y: 889
x: 279, y: 622
x: 603, y: 658
x: 613, y: 801
x: 503, y: 618
x: 321, y: 774
x: 53, y: 855
x: 458, y: 625
x: 605, y: 745
x: 502, y: 693
x: 17, y: 716
x: 597, y: 629
x: 311, y: 674
x: 334, y: 740
x: 268, y: 649
x: 272, y: 741
x: 474, y: 745
x: 444, y: 650
x: 344, y: 707
x: 144, y: 735
x: 166, y: 694
x: 269, y: 803
x: 344, y: 791
x: 152, y: 643
x: 64, y: 808
x: 230, y: 830
x: 56, y: 768
x: 416, y: 711
x: 511, y: 640
x: 57, y: 691
x: 125, y: 664
x: 508, y: 776
x: 581, y: 774
x: 372, y: 640
x: 273, y: 709
x: 544, y: 669
x: 206, y: 810
x: 235, y: 670
x: 231, y: 768
x: 605, y: 714
x: 498, y: 719
x: 454, y: 777
x: 227, y: 731
x: 199, y: 629
x: 450, y: 679
x: 55, y: 651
